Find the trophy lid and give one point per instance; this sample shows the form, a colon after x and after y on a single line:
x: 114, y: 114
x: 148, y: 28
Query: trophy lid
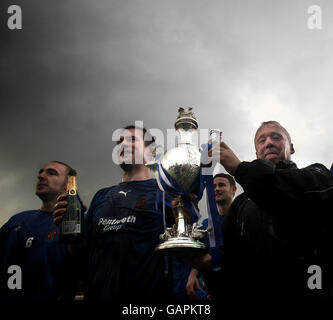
x: 186, y: 119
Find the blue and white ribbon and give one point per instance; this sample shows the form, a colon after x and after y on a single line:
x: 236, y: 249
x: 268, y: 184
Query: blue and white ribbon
x: 214, y: 219
x: 171, y: 186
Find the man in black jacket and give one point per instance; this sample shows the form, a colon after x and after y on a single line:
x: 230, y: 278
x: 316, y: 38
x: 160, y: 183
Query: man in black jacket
x: 278, y: 234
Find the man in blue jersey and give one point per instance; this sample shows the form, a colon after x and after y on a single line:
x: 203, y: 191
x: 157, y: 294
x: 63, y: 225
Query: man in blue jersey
x: 123, y: 225
x: 31, y: 257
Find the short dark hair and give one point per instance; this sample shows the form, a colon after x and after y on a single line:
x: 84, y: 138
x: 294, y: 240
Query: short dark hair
x: 276, y: 123
x: 227, y: 176
x: 148, y: 138
x: 68, y: 167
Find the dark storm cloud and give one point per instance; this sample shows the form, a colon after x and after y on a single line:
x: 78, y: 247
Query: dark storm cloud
x: 78, y: 70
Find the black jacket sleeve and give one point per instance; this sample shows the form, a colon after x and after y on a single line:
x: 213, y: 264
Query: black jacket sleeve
x: 284, y: 188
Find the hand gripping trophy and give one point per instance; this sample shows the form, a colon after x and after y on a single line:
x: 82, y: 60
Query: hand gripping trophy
x: 178, y: 173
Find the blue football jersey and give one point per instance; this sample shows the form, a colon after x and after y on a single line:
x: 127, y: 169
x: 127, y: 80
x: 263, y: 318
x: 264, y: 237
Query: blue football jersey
x: 123, y: 225
x: 30, y: 240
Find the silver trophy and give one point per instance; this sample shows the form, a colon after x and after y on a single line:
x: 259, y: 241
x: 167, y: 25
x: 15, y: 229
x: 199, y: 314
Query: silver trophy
x: 182, y: 163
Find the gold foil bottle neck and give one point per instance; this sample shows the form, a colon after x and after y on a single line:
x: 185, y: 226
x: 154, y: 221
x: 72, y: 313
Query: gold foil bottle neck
x: 71, y: 186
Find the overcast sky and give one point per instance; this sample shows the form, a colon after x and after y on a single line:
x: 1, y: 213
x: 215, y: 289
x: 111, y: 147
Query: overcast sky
x: 78, y: 70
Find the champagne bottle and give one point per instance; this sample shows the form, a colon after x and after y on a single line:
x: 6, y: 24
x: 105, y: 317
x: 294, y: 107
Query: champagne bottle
x: 71, y: 227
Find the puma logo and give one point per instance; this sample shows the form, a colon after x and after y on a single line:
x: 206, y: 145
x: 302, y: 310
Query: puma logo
x: 124, y: 193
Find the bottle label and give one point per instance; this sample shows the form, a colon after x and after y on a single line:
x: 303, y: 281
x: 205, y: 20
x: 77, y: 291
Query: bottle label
x: 70, y: 227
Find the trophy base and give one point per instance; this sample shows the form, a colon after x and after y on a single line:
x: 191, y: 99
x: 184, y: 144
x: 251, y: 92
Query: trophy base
x: 181, y: 246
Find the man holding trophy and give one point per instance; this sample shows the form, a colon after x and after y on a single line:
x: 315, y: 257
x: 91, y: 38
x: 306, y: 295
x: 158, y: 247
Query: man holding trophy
x: 279, y: 229
x: 122, y: 226
x: 123, y: 254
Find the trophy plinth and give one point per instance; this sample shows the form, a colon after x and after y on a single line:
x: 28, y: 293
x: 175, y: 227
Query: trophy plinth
x: 182, y: 164
x: 180, y: 246
x: 182, y: 239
